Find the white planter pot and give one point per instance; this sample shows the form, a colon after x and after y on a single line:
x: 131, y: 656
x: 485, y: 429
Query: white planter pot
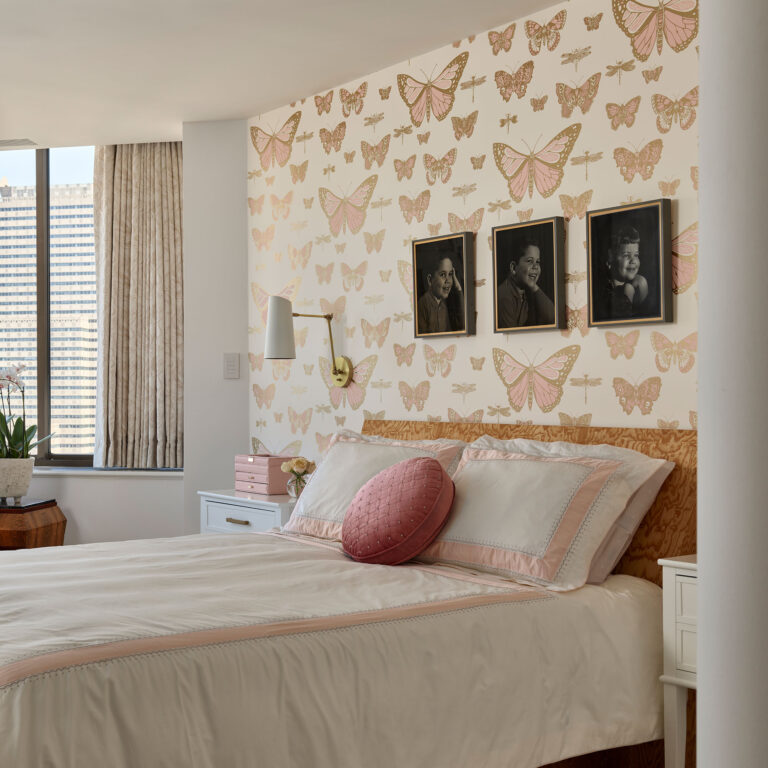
x: 15, y: 477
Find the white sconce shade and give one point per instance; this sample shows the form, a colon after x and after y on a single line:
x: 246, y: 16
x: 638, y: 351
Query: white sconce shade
x: 280, y: 344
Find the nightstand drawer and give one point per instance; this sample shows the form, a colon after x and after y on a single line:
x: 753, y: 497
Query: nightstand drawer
x: 685, y: 650
x: 685, y: 599
x: 228, y: 518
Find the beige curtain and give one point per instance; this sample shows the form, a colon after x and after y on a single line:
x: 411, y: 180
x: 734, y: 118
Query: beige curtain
x: 137, y: 220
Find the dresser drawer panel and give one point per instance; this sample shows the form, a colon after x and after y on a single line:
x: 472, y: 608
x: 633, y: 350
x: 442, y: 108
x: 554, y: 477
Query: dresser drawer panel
x: 685, y: 599
x: 686, y: 648
x: 228, y: 518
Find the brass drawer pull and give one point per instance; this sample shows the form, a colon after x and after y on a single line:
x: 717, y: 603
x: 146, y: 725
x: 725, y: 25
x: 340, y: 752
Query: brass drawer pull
x: 238, y: 522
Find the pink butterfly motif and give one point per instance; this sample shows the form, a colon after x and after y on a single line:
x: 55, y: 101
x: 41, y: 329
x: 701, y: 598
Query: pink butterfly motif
x: 677, y: 21
x: 292, y: 449
x: 435, y: 96
x: 281, y: 208
x: 543, y: 382
x: 300, y: 257
x: 323, y: 441
x: 544, y: 168
x: 405, y: 273
x: 669, y: 353
x: 343, y: 212
x: 473, y: 418
x: 685, y: 258
x: 275, y: 147
x: 622, y: 345
x: 642, y: 396
x: 354, y: 393
x: 374, y: 241
x: 375, y: 333
x: 324, y: 272
x: 414, y: 396
x: 300, y: 335
x: 404, y: 355
x: 439, y: 362
x: 265, y: 396
x: 323, y: 103
x: 353, y: 278
x: 261, y: 297
x: 263, y: 239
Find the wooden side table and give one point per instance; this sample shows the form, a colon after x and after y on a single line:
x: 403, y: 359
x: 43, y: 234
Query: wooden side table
x: 31, y: 523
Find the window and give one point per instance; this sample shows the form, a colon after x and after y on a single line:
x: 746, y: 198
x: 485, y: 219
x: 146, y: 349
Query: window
x: 48, y: 293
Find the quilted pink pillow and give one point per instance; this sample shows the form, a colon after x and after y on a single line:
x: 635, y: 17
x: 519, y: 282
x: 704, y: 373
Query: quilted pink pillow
x: 398, y: 512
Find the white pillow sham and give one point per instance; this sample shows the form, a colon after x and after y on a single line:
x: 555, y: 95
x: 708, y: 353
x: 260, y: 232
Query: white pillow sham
x: 540, y: 516
x: 350, y: 461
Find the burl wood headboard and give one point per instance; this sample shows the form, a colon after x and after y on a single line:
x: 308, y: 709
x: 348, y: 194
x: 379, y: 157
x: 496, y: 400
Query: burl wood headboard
x: 669, y: 528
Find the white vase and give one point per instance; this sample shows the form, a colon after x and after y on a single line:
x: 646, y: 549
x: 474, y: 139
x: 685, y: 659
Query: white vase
x: 15, y: 477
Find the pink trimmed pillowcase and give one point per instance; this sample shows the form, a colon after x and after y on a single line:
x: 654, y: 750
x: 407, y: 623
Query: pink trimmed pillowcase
x: 398, y: 512
x: 349, y: 463
x: 537, y: 519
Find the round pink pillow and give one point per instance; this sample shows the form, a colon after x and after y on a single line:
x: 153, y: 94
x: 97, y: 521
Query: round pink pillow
x: 398, y: 512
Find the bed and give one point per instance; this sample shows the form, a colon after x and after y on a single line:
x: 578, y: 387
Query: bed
x: 277, y: 650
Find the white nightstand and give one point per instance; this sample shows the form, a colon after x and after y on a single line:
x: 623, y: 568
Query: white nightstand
x: 680, y: 575
x: 238, y: 512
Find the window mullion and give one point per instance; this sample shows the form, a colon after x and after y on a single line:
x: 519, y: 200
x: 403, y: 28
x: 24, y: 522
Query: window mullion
x: 43, y: 304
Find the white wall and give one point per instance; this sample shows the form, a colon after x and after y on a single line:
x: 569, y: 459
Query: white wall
x: 112, y: 506
x: 215, y: 306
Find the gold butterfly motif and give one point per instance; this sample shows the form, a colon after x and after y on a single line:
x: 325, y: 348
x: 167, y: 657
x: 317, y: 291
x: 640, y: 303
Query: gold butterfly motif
x: 384, y: 92
x: 349, y: 156
x: 404, y: 168
x: 501, y: 41
x: 435, y: 97
x: 323, y: 103
x: 331, y: 140
x: 300, y: 257
x: 370, y: 416
x: 641, y: 396
x: 471, y: 224
x: 576, y: 206
x: 593, y: 22
x: 662, y: 424
x: 385, y: 274
x: 263, y: 239
x: 622, y: 114
x: 514, y: 83
x: 538, y: 104
x: 474, y: 417
x: 464, y: 126
x: 643, y: 162
x: 353, y: 102
x: 308, y: 368
x: 404, y: 355
x: 439, y: 169
x: 582, y: 96
x: 373, y: 242
x: 682, y: 111
x: 298, y: 172
x: 652, y: 74
x: 434, y: 229
x: 281, y: 208
x: 414, y: 208
x: 322, y: 239
x: 353, y: 278
x: 547, y: 35
x: 375, y: 154
x: 669, y: 188
x: 477, y: 162
x: 477, y: 363
x: 524, y: 214
x: 275, y: 148
x: 375, y: 334
x: 341, y: 247
x: 695, y: 177
x: 423, y: 137
x: 566, y: 420
x: 256, y: 204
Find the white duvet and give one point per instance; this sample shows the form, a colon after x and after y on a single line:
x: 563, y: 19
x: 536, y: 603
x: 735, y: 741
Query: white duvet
x: 264, y: 650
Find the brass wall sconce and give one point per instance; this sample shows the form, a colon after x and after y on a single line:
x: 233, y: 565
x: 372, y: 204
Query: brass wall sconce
x: 281, y: 345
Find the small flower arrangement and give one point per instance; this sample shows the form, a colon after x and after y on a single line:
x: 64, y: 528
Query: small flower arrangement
x: 298, y: 468
x: 16, y: 438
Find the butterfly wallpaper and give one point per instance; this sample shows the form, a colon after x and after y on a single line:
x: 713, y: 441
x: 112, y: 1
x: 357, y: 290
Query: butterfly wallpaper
x: 587, y: 105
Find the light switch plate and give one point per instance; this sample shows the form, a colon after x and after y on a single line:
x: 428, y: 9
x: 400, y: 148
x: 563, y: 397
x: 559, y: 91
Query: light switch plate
x: 231, y: 365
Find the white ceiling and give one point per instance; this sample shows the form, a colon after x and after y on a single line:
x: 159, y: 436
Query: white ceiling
x: 78, y: 72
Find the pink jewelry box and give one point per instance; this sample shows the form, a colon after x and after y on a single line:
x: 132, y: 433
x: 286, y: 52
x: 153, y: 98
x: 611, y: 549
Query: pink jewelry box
x: 260, y: 473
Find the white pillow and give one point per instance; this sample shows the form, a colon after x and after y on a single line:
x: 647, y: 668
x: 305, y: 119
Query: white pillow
x: 646, y: 475
x: 349, y: 463
x: 538, y: 512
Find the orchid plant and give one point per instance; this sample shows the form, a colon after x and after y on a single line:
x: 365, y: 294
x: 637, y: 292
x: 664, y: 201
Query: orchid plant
x: 16, y: 438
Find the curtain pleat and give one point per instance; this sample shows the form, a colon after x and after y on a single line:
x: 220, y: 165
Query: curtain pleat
x: 138, y: 224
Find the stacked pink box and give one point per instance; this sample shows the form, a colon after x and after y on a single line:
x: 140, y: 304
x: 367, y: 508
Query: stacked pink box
x: 260, y: 473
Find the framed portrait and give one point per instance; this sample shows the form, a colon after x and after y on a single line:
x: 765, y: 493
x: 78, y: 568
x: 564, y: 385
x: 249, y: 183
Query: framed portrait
x: 444, y: 285
x: 528, y: 276
x: 629, y: 264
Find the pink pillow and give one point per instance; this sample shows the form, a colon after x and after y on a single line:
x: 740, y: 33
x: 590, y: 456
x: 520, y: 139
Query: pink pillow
x: 398, y: 512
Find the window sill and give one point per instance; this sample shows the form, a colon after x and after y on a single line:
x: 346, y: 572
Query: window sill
x: 169, y: 474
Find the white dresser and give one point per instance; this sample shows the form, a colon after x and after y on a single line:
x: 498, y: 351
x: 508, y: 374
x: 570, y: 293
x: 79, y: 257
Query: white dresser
x: 679, y: 617
x: 238, y: 512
